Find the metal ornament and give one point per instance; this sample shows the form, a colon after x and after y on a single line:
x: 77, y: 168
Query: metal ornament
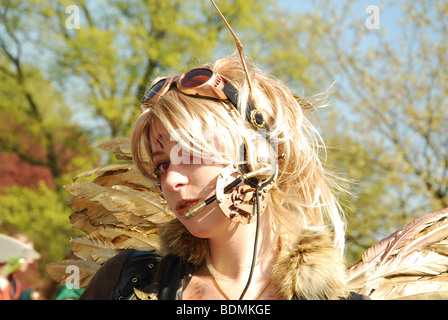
x: 257, y: 119
x: 237, y: 204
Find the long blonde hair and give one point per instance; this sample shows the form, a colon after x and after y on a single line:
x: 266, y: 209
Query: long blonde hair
x: 305, y: 194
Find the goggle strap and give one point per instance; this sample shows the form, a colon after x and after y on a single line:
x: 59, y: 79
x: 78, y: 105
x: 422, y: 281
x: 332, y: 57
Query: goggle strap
x: 231, y: 93
x: 257, y: 120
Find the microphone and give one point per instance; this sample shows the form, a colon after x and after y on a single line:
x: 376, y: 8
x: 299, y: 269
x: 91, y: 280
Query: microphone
x: 192, y: 212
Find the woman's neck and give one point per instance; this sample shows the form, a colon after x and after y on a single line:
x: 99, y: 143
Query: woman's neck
x: 231, y: 253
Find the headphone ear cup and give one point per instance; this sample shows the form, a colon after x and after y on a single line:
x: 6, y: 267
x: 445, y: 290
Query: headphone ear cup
x: 257, y: 154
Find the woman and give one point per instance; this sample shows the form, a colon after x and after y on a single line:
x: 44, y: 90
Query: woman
x: 276, y: 233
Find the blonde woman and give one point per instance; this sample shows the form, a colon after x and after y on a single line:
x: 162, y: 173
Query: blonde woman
x: 238, y: 162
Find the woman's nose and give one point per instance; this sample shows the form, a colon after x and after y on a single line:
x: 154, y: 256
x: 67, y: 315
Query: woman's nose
x: 175, y: 179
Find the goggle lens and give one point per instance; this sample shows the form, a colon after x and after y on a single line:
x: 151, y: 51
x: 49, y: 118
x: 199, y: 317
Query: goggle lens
x: 154, y: 90
x: 186, y: 83
x: 195, y: 78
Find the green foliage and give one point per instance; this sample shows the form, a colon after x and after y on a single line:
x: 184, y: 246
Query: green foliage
x: 393, y: 112
x: 367, y: 202
x: 121, y: 46
x: 36, y: 125
x: 42, y: 215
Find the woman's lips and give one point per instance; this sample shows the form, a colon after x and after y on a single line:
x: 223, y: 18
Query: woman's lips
x: 185, y: 205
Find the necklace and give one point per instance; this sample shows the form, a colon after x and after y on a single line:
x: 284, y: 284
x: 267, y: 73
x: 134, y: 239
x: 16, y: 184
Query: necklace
x: 228, y: 298
x: 213, y: 272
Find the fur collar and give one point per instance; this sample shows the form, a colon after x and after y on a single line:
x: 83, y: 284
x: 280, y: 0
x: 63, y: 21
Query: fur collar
x: 308, y: 267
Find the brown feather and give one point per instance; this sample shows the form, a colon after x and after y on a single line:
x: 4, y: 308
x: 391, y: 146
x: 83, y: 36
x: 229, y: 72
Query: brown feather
x: 118, y: 210
x: 59, y: 272
x: 412, y: 262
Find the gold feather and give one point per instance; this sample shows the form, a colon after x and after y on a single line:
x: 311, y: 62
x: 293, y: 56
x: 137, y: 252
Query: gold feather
x: 118, y: 210
x: 95, y: 249
x: 60, y: 270
x: 111, y: 167
x: 140, y: 203
x: 412, y: 262
x: 121, y: 147
x: 125, y: 238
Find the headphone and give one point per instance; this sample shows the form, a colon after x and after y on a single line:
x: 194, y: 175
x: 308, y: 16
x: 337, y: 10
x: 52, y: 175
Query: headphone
x: 257, y: 153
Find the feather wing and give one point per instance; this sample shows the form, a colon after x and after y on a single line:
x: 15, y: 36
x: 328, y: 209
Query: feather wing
x: 411, y: 263
x: 118, y: 210
x: 61, y: 271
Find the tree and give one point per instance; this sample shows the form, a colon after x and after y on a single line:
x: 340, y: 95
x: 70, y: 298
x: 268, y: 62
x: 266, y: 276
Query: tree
x: 36, y: 122
x: 35, y: 127
x: 41, y: 215
x: 121, y: 46
x: 391, y: 89
x: 367, y: 203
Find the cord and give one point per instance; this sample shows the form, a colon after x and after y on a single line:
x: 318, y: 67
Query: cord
x: 257, y: 205
x: 254, y: 257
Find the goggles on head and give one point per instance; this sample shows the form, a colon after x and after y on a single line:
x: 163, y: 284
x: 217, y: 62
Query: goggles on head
x: 203, y: 83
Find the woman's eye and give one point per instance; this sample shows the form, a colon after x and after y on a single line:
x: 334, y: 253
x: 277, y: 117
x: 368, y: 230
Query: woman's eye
x: 162, y: 167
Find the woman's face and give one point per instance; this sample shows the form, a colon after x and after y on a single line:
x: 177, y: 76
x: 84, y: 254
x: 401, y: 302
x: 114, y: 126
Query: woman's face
x: 185, y: 181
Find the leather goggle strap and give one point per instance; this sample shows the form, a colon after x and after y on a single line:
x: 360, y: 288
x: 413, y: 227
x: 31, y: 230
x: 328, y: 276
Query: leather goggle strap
x: 253, y: 116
